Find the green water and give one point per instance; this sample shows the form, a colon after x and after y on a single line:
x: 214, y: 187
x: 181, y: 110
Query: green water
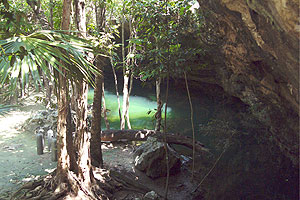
x: 141, y: 110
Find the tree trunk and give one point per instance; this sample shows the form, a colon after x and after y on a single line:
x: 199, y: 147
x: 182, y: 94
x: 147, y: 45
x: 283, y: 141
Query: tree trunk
x: 63, y: 164
x: 39, y: 13
x: 125, y: 110
x: 142, y: 135
x: 70, y: 141
x: 51, y: 22
x: 83, y: 142
x: 117, y: 90
x: 126, y: 75
x: 47, y: 87
x: 192, y: 122
x: 104, y: 109
x: 66, y: 15
x: 96, y: 151
x: 159, y: 104
x: 63, y: 138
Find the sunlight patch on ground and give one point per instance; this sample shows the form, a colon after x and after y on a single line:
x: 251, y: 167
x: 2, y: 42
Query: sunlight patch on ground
x: 19, y: 160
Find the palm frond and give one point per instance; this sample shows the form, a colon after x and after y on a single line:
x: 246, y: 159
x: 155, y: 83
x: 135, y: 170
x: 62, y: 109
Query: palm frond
x: 4, y: 109
x: 23, y: 56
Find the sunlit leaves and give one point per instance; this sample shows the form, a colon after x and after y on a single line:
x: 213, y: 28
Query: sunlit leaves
x: 23, y: 56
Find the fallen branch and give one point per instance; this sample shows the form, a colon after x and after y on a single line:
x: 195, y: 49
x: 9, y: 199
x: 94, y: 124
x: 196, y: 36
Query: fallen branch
x: 142, y: 135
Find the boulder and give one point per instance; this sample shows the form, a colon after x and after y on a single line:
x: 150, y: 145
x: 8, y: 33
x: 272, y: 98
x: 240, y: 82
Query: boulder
x: 150, y: 196
x: 151, y: 159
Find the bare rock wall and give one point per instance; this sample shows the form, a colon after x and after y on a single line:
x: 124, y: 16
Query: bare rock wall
x: 254, y: 46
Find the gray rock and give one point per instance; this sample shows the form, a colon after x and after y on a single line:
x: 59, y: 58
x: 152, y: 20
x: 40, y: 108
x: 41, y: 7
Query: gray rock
x: 38, y: 119
x: 150, y: 196
x: 151, y: 159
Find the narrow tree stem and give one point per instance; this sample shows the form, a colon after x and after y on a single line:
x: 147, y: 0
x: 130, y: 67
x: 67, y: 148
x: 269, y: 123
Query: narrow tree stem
x: 166, y: 108
x: 165, y: 140
x: 192, y: 122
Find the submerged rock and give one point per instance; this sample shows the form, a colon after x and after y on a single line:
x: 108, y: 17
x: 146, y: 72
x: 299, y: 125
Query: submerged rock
x: 151, y: 159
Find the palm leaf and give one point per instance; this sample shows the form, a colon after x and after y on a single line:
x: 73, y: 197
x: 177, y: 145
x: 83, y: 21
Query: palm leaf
x: 4, y: 109
x: 23, y: 55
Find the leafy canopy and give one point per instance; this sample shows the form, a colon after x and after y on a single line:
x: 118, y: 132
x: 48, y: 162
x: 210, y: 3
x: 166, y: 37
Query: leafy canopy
x: 162, y: 28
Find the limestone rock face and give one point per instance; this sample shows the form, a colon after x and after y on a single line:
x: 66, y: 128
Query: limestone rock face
x: 254, y: 50
x: 151, y: 158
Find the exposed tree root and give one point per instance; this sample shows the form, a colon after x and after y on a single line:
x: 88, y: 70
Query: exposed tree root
x: 37, y: 189
x: 106, y: 183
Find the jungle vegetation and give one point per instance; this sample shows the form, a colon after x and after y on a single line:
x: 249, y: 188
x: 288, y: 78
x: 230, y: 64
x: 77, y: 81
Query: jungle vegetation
x: 62, y: 47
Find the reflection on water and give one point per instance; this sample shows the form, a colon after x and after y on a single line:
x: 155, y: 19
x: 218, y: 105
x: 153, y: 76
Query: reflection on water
x: 141, y: 110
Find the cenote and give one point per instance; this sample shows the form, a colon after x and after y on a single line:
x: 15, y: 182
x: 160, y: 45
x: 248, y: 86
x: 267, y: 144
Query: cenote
x: 220, y: 125
x: 239, y: 58
x: 143, y: 107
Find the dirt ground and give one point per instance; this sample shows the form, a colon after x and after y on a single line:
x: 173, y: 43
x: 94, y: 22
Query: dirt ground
x: 20, y: 163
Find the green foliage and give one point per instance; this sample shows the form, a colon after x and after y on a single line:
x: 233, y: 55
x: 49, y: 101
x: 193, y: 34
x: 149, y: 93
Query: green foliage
x: 162, y: 29
x: 24, y: 56
x: 4, y: 109
x: 57, y: 12
x: 13, y: 18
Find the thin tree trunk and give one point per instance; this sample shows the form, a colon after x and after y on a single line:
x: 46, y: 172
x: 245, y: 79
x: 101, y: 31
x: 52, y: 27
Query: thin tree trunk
x: 130, y: 84
x: 117, y: 90
x: 192, y: 122
x: 159, y: 104
x: 125, y: 113
x: 129, y: 92
x: 70, y: 129
x: 166, y: 108
x: 158, y: 95
x: 47, y: 88
x: 125, y: 90
x: 22, y: 92
x: 14, y: 96
x: 51, y: 22
x: 126, y: 75
x: 104, y: 108
x: 165, y: 138
x: 96, y: 151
